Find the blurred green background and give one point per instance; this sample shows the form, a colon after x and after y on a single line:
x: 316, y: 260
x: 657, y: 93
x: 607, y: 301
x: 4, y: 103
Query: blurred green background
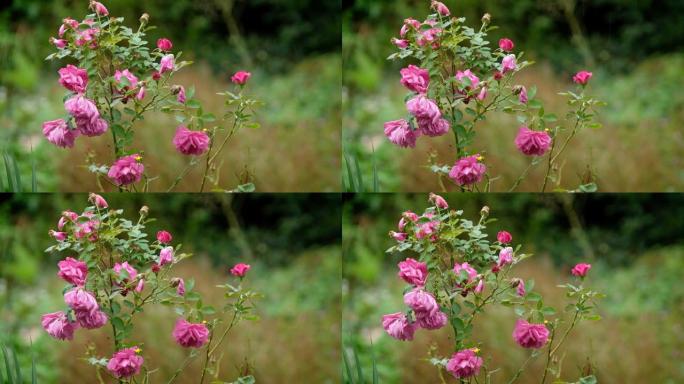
x: 634, y: 242
x: 292, y: 48
x: 292, y: 242
x: 634, y: 49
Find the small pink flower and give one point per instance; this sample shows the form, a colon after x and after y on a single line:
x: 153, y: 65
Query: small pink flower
x: 506, y: 44
x: 58, y: 133
x: 181, y: 95
x: 57, y: 325
x: 59, y: 43
x: 398, y: 236
x: 98, y: 200
x: 165, y: 256
x: 413, y: 272
x: 440, y: 8
x: 582, y: 77
x: 132, y: 272
x: 92, y: 127
x: 132, y: 79
x: 468, y: 170
x: 432, y: 321
x: 422, y: 302
x: 73, y: 271
x: 423, y: 108
x: 429, y: 36
x: 164, y: 237
x: 240, y: 77
x: 532, y: 143
x: 240, y: 269
x: 141, y: 285
x: 190, y: 335
x: 126, y: 362
x: 180, y: 289
x: 141, y: 93
x: 438, y: 201
x: 81, y: 300
x: 166, y: 64
x: 480, y: 286
x: 398, y: 326
x: 522, y: 97
x: 87, y: 230
x: 520, y: 288
x: 59, y: 236
x: 464, y: 364
x: 508, y: 64
x: 530, y: 335
x: 483, y: 94
x: 91, y: 319
x: 504, y: 237
x: 164, y: 44
x: 470, y: 272
x: 433, y: 128
x: 505, y: 257
x: 126, y: 170
x: 415, y: 79
x: 467, y: 74
x: 81, y: 108
x: 400, y: 43
x: 73, y: 78
x: 428, y: 229
x: 67, y: 24
x: 99, y: 8
x: 400, y: 133
x: 190, y: 142
x: 408, y: 24
x: 581, y: 269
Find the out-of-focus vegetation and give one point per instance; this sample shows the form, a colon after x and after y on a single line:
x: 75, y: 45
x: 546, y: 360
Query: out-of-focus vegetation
x: 634, y: 243
x: 291, y: 47
x: 291, y: 241
x: 633, y: 48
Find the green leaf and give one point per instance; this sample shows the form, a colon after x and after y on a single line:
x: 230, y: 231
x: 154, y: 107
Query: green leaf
x: 192, y: 103
x: 588, y: 188
x: 549, y: 311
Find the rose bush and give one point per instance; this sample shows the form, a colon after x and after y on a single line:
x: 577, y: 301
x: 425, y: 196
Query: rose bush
x: 460, y: 80
x: 460, y: 274
x: 113, y: 272
x: 116, y: 80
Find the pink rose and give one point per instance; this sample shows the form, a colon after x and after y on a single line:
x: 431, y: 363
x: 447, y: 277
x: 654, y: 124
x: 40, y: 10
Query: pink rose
x: 190, y: 335
x: 58, y: 133
x: 506, y: 44
x: 423, y: 108
x: 126, y: 170
x: 190, y: 142
x: 483, y: 94
x: 99, y: 8
x: 59, y: 43
x: 164, y: 44
x: 508, y: 63
x: 141, y: 94
x: 438, y: 201
x: 57, y: 325
x: 400, y: 43
x: 408, y: 24
x: 126, y: 362
x: 467, y: 74
x: 480, y: 286
x: 67, y: 24
x: 433, y: 128
x: 504, y: 237
x: 520, y: 287
x: 468, y: 170
x: 400, y: 133
x: 522, y: 97
x: 81, y: 108
x: 180, y: 289
x: 582, y: 77
x: 432, y: 321
x: 81, y: 300
x: 164, y: 237
x: 505, y: 257
x: 440, y: 8
x: 87, y: 36
x: 132, y: 272
x: 59, y: 236
x: 91, y: 319
x: 413, y: 272
x: 98, y: 200
x: 181, y: 94
x: 141, y: 286
x: 532, y: 143
x: 165, y: 256
x: 464, y: 364
x: 422, y: 302
x: 530, y: 335
x: 132, y: 80
x: 73, y: 271
x: 398, y: 236
x: 428, y: 229
x: 166, y: 64
x: 87, y: 230
x: 240, y: 77
x: 398, y: 326
x: 94, y: 127
x: 470, y: 272
x: 581, y: 269
x: 429, y: 36
x: 240, y: 269
x: 73, y: 78
x: 415, y: 79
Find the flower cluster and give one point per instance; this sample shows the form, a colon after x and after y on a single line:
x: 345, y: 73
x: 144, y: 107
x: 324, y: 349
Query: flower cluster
x: 459, y: 273
x: 117, y: 79
x: 112, y: 272
x: 460, y: 79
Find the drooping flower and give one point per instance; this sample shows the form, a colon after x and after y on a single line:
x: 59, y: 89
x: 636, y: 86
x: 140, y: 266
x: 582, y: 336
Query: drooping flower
x: 398, y: 236
x: 73, y: 78
x: 522, y: 97
x: 73, y: 271
x: 181, y: 95
x: 400, y: 43
x: 423, y: 108
x: 440, y: 8
x: 164, y: 44
x: 165, y: 256
x: 421, y: 301
x: 506, y: 44
x: 413, y: 272
x: 432, y: 321
x: 581, y: 269
x: 57, y: 325
x: 582, y: 77
x: 67, y: 23
x: 164, y: 237
x: 464, y: 364
x: 409, y: 24
x: 530, y: 335
x: 180, y: 289
x: 59, y: 236
x: 505, y: 257
x: 132, y: 272
x: 190, y: 335
x: 240, y: 269
x: 508, y: 63
x: 504, y: 237
x: 92, y: 127
x: 520, y: 287
x: 91, y: 319
x: 468, y: 170
x: 126, y: 170
x: 400, y: 133
x: 398, y: 326
x: 433, y: 128
x: 240, y: 77
x: 81, y: 300
x: 190, y: 142
x: 99, y: 8
x: 58, y: 133
x: 415, y: 78
x: 166, y: 63
x: 82, y: 108
x: 438, y: 201
x: 98, y: 200
x: 59, y: 43
x: 126, y: 362
x: 532, y: 143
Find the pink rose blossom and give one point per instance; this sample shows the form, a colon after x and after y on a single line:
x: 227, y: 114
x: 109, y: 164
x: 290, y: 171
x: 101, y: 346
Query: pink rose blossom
x: 508, y: 63
x: 59, y: 43
x: 505, y: 257
x: 125, y: 363
x: 166, y: 64
x: 180, y: 289
x: 408, y: 24
x: 483, y: 94
x: 520, y: 288
x: 190, y: 335
x: 438, y: 201
x: 398, y: 326
x: 141, y: 285
x: 57, y: 325
x: 132, y: 272
x: 240, y: 77
x: 581, y: 269
x: 428, y: 229
x: 398, y: 236
x: 504, y: 237
x: 81, y: 108
x: 440, y: 8
x: 474, y: 80
x: 400, y: 43
x: 530, y: 335
x: 582, y: 77
x: 58, y: 133
x: 132, y: 80
x: 164, y: 44
x: 73, y: 271
x: 522, y: 97
x: 413, y: 272
x: 429, y: 36
x: 400, y: 133
x: 99, y: 8
x: 468, y: 170
x: 506, y: 44
x: 126, y: 170
x: 92, y: 128
x: 98, y: 200
x: 165, y: 256
x: 433, y: 321
x: 190, y: 142
x: 480, y: 286
x: 59, y: 236
x: 87, y: 230
x: 181, y: 95
x: 240, y: 269
x: 73, y: 78
x: 415, y: 79
x: 433, y: 128
x: 81, y: 300
x: 464, y: 364
x: 471, y: 273
x: 532, y: 143
x: 91, y: 319
x: 164, y: 237
x: 67, y: 23
x: 423, y: 108
x: 141, y: 93
x: 422, y: 302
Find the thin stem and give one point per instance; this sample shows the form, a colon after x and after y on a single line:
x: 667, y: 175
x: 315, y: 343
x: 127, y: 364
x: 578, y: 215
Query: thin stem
x: 211, y: 158
x: 183, y: 173
x: 522, y: 177
x: 552, y: 157
x: 520, y: 371
x: 186, y: 362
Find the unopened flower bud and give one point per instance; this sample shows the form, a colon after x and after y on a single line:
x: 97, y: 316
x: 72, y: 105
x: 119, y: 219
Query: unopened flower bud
x: 517, y: 89
x: 486, y: 19
x: 176, y: 89
x: 484, y: 212
x: 175, y: 282
x: 144, y: 19
x: 144, y: 211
